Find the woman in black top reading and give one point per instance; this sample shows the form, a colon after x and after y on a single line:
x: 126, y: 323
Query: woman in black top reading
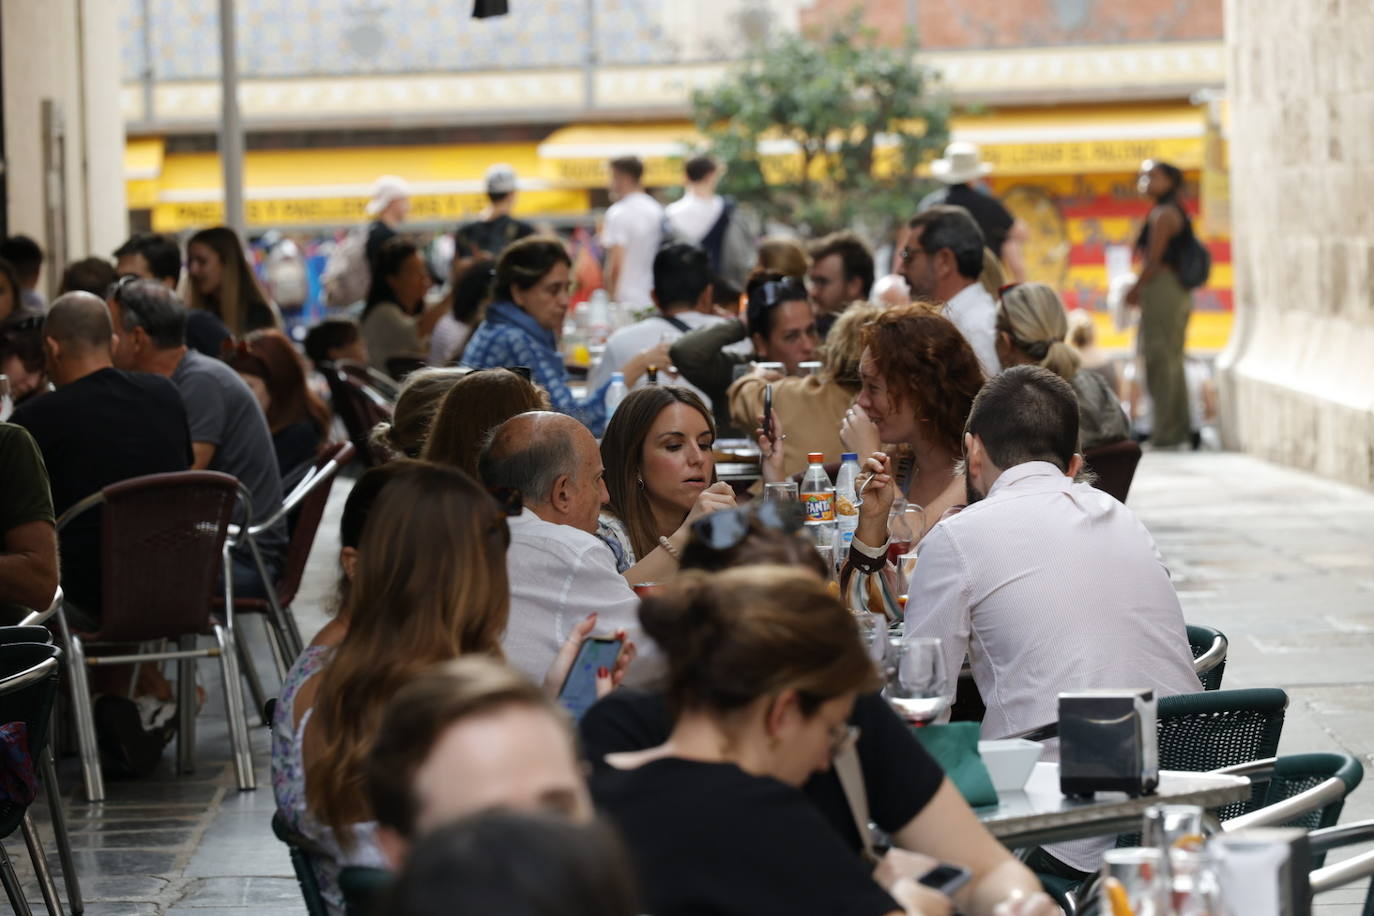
x: 1165, y: 303
x: 763, y: 669
x: 907, y: 795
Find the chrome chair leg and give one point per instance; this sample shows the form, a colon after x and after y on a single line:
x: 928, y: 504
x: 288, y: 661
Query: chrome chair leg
x: 233, y: 709
x: 13, y: 889
x: 58, y: 815
x: 82, y: 713
x: 186, y: 707
x: 40, y: 866
x: 277, y: 641
x: 250, y: 674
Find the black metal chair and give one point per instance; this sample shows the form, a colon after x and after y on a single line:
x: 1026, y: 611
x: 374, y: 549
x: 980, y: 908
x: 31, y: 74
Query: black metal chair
x: 360, y: 403
x: 29, y: 674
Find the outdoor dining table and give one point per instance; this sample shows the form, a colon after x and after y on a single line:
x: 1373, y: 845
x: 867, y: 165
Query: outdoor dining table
x: 1039, y: 813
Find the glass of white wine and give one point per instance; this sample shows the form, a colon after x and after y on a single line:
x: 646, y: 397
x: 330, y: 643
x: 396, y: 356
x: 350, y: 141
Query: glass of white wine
x: 917, y: 683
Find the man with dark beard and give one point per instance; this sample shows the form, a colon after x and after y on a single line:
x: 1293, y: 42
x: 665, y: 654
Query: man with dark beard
x: 1047, y: 585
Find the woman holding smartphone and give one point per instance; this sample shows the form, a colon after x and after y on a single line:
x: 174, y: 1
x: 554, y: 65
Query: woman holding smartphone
x: 429, y: 584
x: 661, y: 477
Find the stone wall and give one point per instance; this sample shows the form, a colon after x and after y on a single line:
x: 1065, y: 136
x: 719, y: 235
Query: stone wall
x: 1297, y: 381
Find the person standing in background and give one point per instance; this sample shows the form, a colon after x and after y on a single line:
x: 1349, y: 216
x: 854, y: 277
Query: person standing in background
x: 1004, y: 233
x: 496, y: 227
x: 389, y: 206
x: 1165, y: 304
x: 631, y: 236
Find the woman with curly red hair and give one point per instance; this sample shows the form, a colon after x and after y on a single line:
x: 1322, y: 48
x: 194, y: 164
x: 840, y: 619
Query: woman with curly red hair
x: 918, y: 378
x: 268, y: 362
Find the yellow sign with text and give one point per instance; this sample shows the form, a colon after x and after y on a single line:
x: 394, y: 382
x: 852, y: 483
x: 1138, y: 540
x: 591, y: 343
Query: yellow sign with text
x: 175, y: 217
x: 1079, y: 156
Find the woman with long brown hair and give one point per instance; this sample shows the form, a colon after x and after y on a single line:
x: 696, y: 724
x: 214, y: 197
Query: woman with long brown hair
x: 223, y: 284
x: 268, y: 362
x: 429, y: 585
x: 661, y: 476
x: 476, y: 404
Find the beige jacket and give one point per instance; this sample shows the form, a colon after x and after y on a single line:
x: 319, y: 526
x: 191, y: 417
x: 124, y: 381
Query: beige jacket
x: 810, y: 410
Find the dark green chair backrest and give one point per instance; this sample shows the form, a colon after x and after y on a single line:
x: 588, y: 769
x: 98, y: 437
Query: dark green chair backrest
x: 1200, y: 640
x: 1296, y: 773
x: 300, y: 861
x: 1221, y: 728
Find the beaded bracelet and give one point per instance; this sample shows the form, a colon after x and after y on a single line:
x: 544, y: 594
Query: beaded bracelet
x: 668, y: 546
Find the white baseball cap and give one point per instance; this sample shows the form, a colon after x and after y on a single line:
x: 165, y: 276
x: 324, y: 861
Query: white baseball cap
x: 500, y: 179
x: 385, y: 191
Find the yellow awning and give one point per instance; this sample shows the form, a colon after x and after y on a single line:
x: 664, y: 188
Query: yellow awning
x: 331, y: 186
x: 142, y: 169
x: 576, y: 156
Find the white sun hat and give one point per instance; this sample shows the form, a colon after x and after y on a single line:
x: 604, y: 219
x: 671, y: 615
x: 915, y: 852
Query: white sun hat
x: 961, y: 163
x: 385, y: 191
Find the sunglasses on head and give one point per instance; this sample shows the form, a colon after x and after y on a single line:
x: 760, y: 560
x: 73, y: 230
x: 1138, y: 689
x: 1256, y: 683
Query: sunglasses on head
x: 522, y: 371
x: 511, y: 501
x: 1003, y: 290
x: 117, y: 286
x: 27, y: 323
x: 727, y: 528
x: 776, y: 292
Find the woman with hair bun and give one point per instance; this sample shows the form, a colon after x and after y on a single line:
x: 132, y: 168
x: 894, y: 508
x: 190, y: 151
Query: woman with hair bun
x: 764, y: 665
x: 1031, y: 329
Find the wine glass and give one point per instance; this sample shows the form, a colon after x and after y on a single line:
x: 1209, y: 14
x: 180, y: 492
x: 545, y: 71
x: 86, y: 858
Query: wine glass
x: 781, y: 491
x: 917, y: 683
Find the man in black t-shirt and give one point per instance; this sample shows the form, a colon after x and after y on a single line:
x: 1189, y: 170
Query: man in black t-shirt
x: 497, y: 228
x: 1004, y: 233
x: 100, y: 426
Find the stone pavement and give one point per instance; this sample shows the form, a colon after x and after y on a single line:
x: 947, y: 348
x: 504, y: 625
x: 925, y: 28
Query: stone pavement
x: 1280, y: 561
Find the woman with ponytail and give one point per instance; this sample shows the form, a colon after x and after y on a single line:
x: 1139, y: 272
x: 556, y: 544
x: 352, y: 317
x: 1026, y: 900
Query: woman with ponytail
x: 1031, y: 328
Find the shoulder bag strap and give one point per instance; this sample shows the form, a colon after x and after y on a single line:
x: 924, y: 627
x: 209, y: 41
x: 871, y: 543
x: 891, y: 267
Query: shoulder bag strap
x: 678, y: 323
x: 851, y: 777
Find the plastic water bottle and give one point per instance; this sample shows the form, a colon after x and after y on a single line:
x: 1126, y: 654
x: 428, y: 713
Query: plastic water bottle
x: 846, y: 512
x: 818, y: 498
x: 615, y: 393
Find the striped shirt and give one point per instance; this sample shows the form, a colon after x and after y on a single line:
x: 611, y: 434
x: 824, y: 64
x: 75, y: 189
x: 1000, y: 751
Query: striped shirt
x: 1048, y: 586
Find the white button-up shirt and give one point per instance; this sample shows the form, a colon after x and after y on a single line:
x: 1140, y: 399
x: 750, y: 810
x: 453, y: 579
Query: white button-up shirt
x: 558, y: 575
x: 974, y: 313
x: 1049, y: 586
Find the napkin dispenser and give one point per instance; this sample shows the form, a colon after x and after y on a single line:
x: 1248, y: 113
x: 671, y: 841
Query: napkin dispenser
x: 1107, y: 742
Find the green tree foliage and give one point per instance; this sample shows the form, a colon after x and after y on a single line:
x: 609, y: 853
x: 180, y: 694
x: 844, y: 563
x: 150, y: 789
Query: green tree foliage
x: 839, y: 97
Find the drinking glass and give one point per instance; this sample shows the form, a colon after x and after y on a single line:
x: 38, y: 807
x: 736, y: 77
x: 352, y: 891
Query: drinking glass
x: 782, y: 491
x: 906, y: 572
x: 1173, y: 827
x: 1132, y: 882
x: 6, y: 401
x: 827, y: 552
x: 873, y: 634
x: 917, y: 683
x: 1194, y: 887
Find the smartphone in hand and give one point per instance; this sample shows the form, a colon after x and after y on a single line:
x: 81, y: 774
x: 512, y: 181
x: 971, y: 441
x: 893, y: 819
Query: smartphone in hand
x: 768, y: 412
x: 946, y: 878
x: 578, y: 692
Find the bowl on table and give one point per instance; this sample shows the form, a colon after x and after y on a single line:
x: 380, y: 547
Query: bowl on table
x: 1009, y: 761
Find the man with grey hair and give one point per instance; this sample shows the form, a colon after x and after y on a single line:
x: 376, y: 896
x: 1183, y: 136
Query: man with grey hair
x: 229, y: 432
x: 560, y: 572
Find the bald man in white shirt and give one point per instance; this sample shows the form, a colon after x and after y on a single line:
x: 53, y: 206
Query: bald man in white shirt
x: 559, y: 570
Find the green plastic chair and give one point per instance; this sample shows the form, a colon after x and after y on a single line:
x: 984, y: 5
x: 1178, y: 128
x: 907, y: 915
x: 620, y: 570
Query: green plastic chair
x: 1300, y: 790
x: 1209, y: 647
x: 1348, y: 871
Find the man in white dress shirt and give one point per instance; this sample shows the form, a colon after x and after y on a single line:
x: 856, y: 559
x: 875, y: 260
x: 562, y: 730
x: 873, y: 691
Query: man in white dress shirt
x: 631, y: 235
x: 559, y: 571
x: 682, y: 291
x: 1047, y: 585
x: 942, y: 260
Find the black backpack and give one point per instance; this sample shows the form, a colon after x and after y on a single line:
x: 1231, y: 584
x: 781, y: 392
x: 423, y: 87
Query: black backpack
x: 1192, y: 262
